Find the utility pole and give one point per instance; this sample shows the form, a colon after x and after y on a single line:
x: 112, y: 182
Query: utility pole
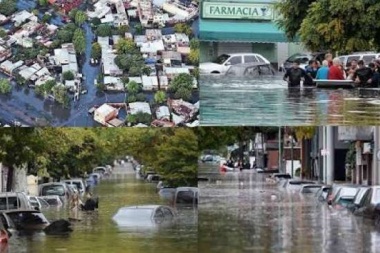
x: 280, y: 169
x: 292, y: 153
x: 376, y: 157
x: 330, y: 155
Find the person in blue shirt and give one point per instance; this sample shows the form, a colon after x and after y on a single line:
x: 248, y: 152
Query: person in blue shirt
x: 323, y: 72
x: 311, y: 73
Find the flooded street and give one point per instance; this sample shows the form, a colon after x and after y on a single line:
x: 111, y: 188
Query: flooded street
x: 98, y: 233
x: 240, y: 212
x: 268, y: 101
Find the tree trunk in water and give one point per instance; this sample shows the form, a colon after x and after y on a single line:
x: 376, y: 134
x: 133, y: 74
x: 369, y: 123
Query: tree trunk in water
x: 10, y: 178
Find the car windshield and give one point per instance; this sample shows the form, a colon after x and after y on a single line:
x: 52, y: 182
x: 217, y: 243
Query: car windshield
x: 78, y: 185
x: 9, y: 203
x: 185, y: 197
x: 52, y: 202
x: 295, y: 57
x: 359, y: 196
x: 221, y: 59
x: 348, y: 192
x: 53, y: 190
x: 43, y: 202
x: 136, y: 213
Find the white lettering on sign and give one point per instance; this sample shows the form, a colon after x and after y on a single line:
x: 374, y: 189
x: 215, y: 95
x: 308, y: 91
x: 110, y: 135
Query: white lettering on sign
x: 219, y: 10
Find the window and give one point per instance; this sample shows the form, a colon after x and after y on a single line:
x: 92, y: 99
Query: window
x: 53, y: 190
x: 250, y: 59
x: 221, y: 59
x: 260, y: 59
x: 265, y: 70
x: 368, y: 58
x: 8, y: 203
x: 351, y: 58
x: 235, y: 60
x: 167, y: 212
x: 185, y: 197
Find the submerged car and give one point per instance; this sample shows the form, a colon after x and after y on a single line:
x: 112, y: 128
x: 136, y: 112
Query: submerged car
x: 78, y: 182
x: 370, y: 206
x: 24, y: 220
x: 251, y: 70
x: 56, y: 189
x: 296, y: 185
x: 53, y: 200
x: 38, y: 203
x: 310, y: 188
x: 14, y: 201
x: 358, y: 199
x: 144, y: 215
x: 223, y: 63
x: 186, y: 196
x: 323, y: 193
x: 344, y: 196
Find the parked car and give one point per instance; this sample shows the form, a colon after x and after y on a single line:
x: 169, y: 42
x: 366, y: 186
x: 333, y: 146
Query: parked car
x: 358, y: 199
x: 186, y: 196
x: 101, y: 170
x: 53, y: 200
x: 335, y: 188
x: 14, y: 201
x: 153, y: 178
x: 167, y: 194
x: 25, y: 219
x: 280, y: 176
x: 251, y: 70
x: 303, y: 58
x: 344, y: 196
x: 367, y: 57
x: 310, y: 188
x: 78, y: 182
x: 146, y: 174
x: 296, y: 185
x: 323, y: 193
x: 370, y: 205
x: 38, y: 203
x: 58, y: 189
x: 144, y: 215
x: 223, y: 63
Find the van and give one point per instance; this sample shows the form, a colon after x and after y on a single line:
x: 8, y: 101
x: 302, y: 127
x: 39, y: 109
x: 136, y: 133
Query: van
x: 367, y: 57
x: 56, y: 189
x: 14, y: 201
x: 78, y: 182
x: 186, y: 196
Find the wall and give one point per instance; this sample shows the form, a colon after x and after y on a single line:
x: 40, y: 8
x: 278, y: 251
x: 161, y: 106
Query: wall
x: 32, y: 182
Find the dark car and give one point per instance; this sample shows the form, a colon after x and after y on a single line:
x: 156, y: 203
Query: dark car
x: 24, y: 220
x: 186, y: 196
x: 370, y: 206
x: 303, y: 58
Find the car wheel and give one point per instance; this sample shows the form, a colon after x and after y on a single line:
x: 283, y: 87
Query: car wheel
x: 215, y: 72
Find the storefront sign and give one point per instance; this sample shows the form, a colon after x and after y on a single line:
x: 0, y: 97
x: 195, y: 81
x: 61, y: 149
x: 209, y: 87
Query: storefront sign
x: 224, y: 10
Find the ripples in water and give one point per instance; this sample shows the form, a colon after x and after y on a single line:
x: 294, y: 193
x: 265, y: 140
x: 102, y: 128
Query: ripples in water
x: 267, y: 101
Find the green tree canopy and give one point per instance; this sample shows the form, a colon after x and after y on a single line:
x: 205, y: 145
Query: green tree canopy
x: 333, y: 25
x: 96, y: 51
x: 182, y: 86
x: 126, y: 46
x: 68, y: 75
x: 133, y: 87
x: 80, y: 17
x: 79, y: 41
x: 8, y: 7
x: 104, y: 30
x: 5, y: 86
x: 160, y: 97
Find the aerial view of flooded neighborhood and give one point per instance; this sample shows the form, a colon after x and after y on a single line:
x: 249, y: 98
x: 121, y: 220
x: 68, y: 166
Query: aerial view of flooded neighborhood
x: 125, y: 191
x: 106, y: 63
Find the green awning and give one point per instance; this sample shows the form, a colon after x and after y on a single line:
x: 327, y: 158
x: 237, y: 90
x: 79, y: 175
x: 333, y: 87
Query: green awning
x: 240, y: 31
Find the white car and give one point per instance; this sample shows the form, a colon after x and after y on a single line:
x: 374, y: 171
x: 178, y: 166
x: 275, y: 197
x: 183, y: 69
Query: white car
x: 222, y: 64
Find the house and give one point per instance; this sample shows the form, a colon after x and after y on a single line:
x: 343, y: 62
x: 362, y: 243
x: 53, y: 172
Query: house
x: 140, y: 40
x: 183, y: 108
x: 152, y: 47
x: 43, y: 79
x: 105, y: 113
x: 115, y: 123
x: 22, y: 16
x: 113, y: 83
x: 136, y: 107
x: 163, y: 113
x: 8, y: 67
x: 170, y: 58
x: 149, y: 82
x: 108, y: 58
x: 153, y: 34
x: 5, y: 53
x: 183, y: 43
x: 61, y: 56
x: 164, y: 82
x: 28, y: 72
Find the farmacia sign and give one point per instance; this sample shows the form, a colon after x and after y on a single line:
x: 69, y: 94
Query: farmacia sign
x: 224, y: 10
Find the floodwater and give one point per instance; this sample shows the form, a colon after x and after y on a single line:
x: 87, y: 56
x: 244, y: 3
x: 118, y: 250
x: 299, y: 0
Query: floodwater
x: 98, y: 233
x: 267, y: 101
x: 239, y: 212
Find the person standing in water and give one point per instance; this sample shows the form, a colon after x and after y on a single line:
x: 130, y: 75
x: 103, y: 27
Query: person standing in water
x: 295, y: 75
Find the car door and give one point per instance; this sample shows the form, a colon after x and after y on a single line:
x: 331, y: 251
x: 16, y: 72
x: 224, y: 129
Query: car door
x: 366, y: 210
x: 233, y: 60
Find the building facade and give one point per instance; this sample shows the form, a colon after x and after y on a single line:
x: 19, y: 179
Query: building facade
x: 243, y: 26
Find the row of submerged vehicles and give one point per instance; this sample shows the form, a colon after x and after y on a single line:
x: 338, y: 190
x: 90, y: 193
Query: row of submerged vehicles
x: 178, y: 199
x: 23, y: 213
x: 363, y: 201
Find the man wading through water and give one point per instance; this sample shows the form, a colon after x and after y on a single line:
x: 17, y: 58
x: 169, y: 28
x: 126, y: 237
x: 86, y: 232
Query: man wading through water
x: 294, y: 75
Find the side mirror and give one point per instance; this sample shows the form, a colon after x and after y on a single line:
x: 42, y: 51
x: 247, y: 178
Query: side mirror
x: 227, y: 63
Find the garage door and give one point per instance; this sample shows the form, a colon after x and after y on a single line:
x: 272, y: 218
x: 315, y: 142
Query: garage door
x: 233, y: 48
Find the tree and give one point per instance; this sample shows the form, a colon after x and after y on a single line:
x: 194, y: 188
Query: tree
x: 96, y: 21
x: 8, y: 7
x: 122, y: 30
x: 79, y: 41
x: 139, y: 29
x: 140, y: 117
x: 160, y: 97
x: 43, y: 3
x: 68, y: 75
x: 80, y: 18
x: 126, y: 61
x: 20, y: 80
x: 125, y: 46
x: 182, y: 86
x: 194, y: 43
x: 183, y: 28
x: 141, y: 97
x: 96, y: 51
x: 104, y: 30
x: 45, y: 88
x: 194, y: 57
x: 60, y: 95
x: 72, y: 14
x: 46, y: 18
x: 133, y: 87
x: 333, y: 25
x: 5, y: 86
x: 3, y: 33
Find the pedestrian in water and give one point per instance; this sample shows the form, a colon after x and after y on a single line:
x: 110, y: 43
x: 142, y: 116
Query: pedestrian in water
x: 363, y: 75
x: 294, y: 75
x: 335, y: 71
x: 311, y: 73
x: 323, y: 72
x: 329, y: 59
x: 353, y: 66
x: 75, y: 205
x: 375, y: 80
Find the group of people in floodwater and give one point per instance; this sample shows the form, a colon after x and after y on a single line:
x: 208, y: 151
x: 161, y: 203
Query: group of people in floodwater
x: 333, y: 69
x: 238, y: 164
x: 76, y: 204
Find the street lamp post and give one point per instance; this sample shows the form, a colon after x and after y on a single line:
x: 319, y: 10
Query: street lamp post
x: 292, y: 154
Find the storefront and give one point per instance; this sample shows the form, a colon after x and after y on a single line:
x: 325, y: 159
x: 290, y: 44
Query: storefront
x: 242, y: 26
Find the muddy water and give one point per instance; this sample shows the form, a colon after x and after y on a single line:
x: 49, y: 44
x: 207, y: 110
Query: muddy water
x: 97, y: 232
x: 268, y: 101
x: 240, y: 212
